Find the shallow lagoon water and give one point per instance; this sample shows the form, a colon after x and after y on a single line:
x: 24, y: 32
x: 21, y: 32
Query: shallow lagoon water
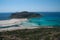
x: 46, y: 21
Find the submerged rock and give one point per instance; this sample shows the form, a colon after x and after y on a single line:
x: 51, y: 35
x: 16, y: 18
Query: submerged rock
x: 25, y: 14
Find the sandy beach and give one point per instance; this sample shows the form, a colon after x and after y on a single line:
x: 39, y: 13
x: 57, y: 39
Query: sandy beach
x: 11, y: 22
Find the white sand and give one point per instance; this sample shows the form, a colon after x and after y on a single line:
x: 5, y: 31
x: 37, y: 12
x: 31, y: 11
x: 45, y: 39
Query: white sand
x: 11, y: 22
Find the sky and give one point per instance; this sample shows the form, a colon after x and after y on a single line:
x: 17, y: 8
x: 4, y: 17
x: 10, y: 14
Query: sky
x: 30, y: 5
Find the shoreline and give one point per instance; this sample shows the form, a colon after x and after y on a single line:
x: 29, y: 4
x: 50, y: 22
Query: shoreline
x: 14, y: 22
x: 16, y: 28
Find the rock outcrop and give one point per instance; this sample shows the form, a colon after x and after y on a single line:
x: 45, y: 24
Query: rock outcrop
x: 25, y: 14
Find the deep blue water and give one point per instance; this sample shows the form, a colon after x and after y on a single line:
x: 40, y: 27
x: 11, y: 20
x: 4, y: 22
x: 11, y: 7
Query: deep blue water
x: 5, y: 16
x: 47, y: 19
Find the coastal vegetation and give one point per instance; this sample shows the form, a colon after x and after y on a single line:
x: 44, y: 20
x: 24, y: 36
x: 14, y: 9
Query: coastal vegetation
x: 31, y: 34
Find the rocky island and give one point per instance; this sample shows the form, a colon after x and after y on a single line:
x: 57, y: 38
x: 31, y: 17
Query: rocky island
x: 25, y: 14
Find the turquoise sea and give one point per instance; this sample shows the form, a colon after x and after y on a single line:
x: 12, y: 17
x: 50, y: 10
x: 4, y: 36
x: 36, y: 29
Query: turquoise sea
x: 47, y: 19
